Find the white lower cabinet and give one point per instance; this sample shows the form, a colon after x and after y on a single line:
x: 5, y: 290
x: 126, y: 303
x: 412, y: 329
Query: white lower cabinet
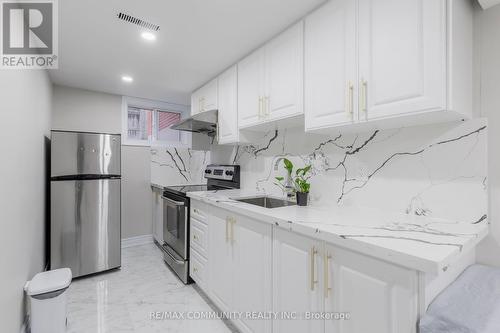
x: 379, y: 297
x: 220, y: 262
x: 157, y: 215
x: 252, y: 245
x: 240, y: 267
x: 254, y: 267
x: 296, y: 285
x: 355, y: 292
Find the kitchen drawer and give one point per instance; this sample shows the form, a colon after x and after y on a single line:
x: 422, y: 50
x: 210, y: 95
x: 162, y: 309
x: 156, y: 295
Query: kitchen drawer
x: 199, y: 236
x: 198, y: 269
x: 199, y: 211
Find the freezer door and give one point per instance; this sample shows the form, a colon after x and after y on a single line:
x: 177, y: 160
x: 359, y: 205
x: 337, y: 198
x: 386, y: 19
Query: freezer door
x: 85, y: 225
x: 74, y: 153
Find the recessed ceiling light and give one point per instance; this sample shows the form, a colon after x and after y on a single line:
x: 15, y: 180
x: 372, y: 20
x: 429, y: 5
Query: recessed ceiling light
x: 127, y: 78
x: 149, y: 36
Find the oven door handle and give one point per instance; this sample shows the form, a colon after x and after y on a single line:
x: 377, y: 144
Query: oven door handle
x: 177, y: 261
x: 173, y: 202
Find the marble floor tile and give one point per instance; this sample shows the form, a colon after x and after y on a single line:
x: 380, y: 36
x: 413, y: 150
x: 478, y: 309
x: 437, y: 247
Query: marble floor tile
x: 123, y: 300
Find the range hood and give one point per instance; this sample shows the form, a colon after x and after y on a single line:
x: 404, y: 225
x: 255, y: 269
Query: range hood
x: 204, y: 122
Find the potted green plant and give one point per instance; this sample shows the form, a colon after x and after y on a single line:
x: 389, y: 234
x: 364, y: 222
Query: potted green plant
x: 298, y: 182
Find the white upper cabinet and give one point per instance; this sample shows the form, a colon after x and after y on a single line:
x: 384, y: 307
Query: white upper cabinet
x: 374, y: 61
x: 251, y: 88
x: 284, y: 74
x: 228, y: 106
x: 205, y: 98
x: 270, y: 80
x: 402, y: 56
x: 331, y: 65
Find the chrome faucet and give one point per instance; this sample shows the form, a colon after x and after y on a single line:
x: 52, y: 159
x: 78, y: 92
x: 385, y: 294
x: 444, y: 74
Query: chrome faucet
x: 289, y: 190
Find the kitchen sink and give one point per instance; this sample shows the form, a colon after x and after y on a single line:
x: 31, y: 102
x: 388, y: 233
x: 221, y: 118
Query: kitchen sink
x: 266, y: 202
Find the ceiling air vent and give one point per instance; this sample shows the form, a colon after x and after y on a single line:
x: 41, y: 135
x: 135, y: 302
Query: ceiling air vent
x: 139, y: 22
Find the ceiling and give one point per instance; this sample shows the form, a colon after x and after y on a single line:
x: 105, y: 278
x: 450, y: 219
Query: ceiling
x: 196, y: 41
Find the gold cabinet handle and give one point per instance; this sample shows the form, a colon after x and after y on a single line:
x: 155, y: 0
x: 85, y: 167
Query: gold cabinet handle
x: 195, y: 269
x: 232, y: 221
x: 364, y: 96
x: 202, y: 104
x: 350, y: 99
x: 326, y: 275
x: 195, y: 237
x: 313, y: 258
x: 261, y: 107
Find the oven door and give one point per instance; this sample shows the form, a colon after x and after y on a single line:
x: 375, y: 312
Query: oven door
x: 175, y: 223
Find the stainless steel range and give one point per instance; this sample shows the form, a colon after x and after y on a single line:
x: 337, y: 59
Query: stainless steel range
x: 176, y: 215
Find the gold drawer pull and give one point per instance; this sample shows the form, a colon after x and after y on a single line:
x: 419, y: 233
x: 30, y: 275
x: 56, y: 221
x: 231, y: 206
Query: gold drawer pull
x: 313, y: 259
x: 327, y: 274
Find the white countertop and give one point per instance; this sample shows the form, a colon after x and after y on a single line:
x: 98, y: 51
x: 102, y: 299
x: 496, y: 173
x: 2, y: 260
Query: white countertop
x: 422, y: 243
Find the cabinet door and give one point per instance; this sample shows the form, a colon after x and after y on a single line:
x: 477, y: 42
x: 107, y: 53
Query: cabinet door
x: 296, y: 281
x: 250, y: 88
x: 253, y: 259
x: 284, y: 71
x: 228, y: 106
x: 209, y: 96
x: 220, y: 261
x: 380, y: 297
x: 402, y: 57
x: 195, y: 102
x: 157, y: 216
x: 331, y: 65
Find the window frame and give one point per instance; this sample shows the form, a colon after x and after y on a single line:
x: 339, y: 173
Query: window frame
x: 183, y: 110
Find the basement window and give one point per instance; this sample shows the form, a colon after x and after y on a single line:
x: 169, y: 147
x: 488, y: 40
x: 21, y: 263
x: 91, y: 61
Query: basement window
x: 147, y: 125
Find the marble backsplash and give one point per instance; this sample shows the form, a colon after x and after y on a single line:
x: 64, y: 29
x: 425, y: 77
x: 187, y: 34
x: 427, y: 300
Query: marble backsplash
x: 437, y: 170
x: 178, y: 166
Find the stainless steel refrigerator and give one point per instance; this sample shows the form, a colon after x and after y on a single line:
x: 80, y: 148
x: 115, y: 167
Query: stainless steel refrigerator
x: 85, y: 222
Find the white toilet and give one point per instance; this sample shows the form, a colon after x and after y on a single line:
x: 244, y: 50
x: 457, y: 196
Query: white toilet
x: 48, y: 300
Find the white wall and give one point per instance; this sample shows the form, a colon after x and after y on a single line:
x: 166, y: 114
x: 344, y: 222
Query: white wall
x: 25, y: 103
x: 488, y: 60
x: 83, y: 110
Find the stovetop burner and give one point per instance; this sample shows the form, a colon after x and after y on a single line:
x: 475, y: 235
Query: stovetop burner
x: 219, y: 177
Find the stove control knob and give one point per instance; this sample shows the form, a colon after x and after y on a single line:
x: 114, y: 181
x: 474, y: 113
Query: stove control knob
x: 229, y: 173
x: 208, y: 171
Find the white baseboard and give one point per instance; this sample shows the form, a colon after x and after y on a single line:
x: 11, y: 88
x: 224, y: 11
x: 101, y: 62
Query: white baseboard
x: 136, y: 241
